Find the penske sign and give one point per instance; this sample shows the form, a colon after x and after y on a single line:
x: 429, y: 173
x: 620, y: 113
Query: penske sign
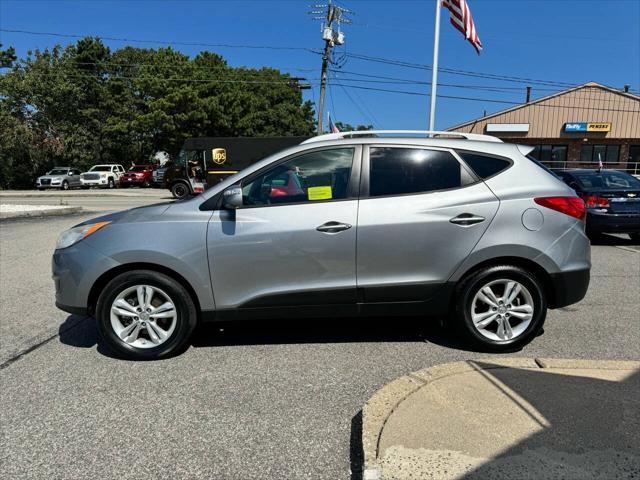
x: 587, y: 127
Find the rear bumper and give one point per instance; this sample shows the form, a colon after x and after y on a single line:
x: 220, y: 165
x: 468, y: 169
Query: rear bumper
x: 133, y: 181
x: 613, y: 223
x: 569, y: 287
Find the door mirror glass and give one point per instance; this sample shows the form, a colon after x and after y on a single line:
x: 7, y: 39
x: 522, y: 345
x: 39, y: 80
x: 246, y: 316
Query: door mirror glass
x: 232, y: 198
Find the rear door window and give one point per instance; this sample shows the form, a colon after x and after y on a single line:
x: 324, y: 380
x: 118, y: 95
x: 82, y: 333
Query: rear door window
x: 484, y: 166
x: 402, y: 171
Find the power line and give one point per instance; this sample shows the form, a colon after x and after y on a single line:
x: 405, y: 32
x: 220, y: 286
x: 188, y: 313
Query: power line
x: 454, y: 97
x: 162, y: 42
x: 388, y: 61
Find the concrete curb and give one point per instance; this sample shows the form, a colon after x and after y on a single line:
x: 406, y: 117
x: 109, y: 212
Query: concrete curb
x: 40, y: 213
x: 386, y: 400
x: 85, y: 193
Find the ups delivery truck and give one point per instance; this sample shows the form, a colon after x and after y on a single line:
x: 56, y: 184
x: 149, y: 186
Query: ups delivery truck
x: 205, y: 161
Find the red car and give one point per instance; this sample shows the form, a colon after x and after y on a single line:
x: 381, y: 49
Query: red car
x: 138, y: 175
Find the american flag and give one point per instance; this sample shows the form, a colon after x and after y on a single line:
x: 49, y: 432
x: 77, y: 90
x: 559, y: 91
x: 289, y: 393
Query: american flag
x: 332, y: 126
x: 461, y: 19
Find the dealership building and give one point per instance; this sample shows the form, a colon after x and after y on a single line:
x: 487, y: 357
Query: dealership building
x: 573, y: 128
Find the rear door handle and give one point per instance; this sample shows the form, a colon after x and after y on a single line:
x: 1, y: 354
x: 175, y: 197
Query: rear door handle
x: 466, y: 219
x: 333, y: 227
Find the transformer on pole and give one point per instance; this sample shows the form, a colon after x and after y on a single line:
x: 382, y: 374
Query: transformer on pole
x: 330, y: 15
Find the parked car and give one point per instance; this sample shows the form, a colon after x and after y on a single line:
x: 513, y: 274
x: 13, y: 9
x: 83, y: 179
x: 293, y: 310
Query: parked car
x: 612, y: 198
x: 458, y: 225
x: 103, y: 176
x: 63, y: 178
x: 138, y: 175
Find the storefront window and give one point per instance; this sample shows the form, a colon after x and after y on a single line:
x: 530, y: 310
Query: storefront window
x: 555, y: 156
x: 595, y: 153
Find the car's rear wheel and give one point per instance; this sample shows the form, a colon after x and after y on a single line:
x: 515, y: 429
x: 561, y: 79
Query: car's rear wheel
x: 180, y: 190
x: 144, y: 314
x: 500, y: 308
x: 635, y: 237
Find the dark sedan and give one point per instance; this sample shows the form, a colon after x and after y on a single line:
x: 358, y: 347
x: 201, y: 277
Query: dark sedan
x: 612, y: 198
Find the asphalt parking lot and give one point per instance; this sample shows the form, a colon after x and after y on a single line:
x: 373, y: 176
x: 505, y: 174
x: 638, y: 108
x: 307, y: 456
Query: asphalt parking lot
x: 251, y: 400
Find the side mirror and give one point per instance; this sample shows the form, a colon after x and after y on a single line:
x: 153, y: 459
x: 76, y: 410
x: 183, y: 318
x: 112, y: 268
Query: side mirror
x: 232, y: 198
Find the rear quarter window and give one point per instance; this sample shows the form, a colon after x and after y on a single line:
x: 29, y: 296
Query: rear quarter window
x: 484, y: 166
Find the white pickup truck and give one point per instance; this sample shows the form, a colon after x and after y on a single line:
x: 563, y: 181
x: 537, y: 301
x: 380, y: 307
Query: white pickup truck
x: 102, y: 176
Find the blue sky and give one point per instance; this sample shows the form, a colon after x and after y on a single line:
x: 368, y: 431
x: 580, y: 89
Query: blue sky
x: 564, y: 41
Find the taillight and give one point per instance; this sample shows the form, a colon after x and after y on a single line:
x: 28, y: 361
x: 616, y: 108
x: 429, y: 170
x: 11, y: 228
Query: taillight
x: 572, y: 206
x: 594, y: 201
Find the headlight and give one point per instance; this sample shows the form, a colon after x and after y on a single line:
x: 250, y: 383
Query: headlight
x: 74, y: 235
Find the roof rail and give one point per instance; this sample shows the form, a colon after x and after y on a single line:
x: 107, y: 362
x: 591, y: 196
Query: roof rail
x: 403, y: 133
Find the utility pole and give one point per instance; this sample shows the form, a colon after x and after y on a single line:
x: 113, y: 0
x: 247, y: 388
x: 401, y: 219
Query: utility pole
x: 328, y: 14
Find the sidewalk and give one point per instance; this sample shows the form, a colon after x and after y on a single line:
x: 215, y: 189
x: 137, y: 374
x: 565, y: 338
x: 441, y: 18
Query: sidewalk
x: 25, y: 211
x: 102, y: 192
x: 506, y: 418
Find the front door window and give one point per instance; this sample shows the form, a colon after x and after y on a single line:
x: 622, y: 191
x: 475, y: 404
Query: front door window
x: 312, y: 177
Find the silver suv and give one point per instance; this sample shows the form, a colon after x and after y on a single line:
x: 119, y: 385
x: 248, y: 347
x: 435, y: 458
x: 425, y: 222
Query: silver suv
x: 63, y: 178
x: 431, y: 224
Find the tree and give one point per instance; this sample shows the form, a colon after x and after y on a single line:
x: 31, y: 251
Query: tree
x: 7, y: 57
x: 345, y: 127
x: 85, y: 104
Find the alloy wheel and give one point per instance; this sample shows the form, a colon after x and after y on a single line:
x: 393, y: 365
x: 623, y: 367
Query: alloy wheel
x: 143, y: 316
x: 502, y: 310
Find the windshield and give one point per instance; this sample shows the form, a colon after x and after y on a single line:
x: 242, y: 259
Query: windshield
x: 606, y: 180
x: 190, y: 157
x: 100, y: 168
x: 58, y: 171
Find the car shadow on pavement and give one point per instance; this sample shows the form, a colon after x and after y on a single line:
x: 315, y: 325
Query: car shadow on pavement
x: 612, y: 240
x: 589, y: 431
x: 81, y: 332
x: 337, y: 330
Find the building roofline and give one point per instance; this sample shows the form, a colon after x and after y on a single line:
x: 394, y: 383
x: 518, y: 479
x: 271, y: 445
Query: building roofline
x: 548, y: 97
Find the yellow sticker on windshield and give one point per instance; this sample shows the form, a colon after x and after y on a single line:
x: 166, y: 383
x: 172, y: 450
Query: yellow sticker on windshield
x: 319, y: 193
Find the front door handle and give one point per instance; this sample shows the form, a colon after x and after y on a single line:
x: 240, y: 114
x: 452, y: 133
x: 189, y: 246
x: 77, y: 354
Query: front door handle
x: 333, y: 227
x: 466, y: 219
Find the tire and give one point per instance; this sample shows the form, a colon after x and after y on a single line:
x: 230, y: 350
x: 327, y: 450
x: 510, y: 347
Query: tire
x: 180, y: 190
x: 517, y: 332
x: 84, y: 187
x: 635, y: 237
x: 166, y: 289
x: 65, y: 185
x: 111, y: 184
x: 146, y: 184
x: 40, y: 189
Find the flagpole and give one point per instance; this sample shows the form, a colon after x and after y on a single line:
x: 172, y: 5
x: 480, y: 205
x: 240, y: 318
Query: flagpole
x: 434, y: 71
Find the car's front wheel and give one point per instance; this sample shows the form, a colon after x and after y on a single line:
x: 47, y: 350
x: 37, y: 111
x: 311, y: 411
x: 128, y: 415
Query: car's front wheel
x: 145, y: 314
x: 180, y: 190
x: 500, y: 308
x: 65, y: 185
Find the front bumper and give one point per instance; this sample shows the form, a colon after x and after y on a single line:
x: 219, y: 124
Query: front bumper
x: 613, y: 223
x: 131, y: 181
x: 569, y: 287
x: 103, y: 182
x: 49, y: 185
x: 74, y: 271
